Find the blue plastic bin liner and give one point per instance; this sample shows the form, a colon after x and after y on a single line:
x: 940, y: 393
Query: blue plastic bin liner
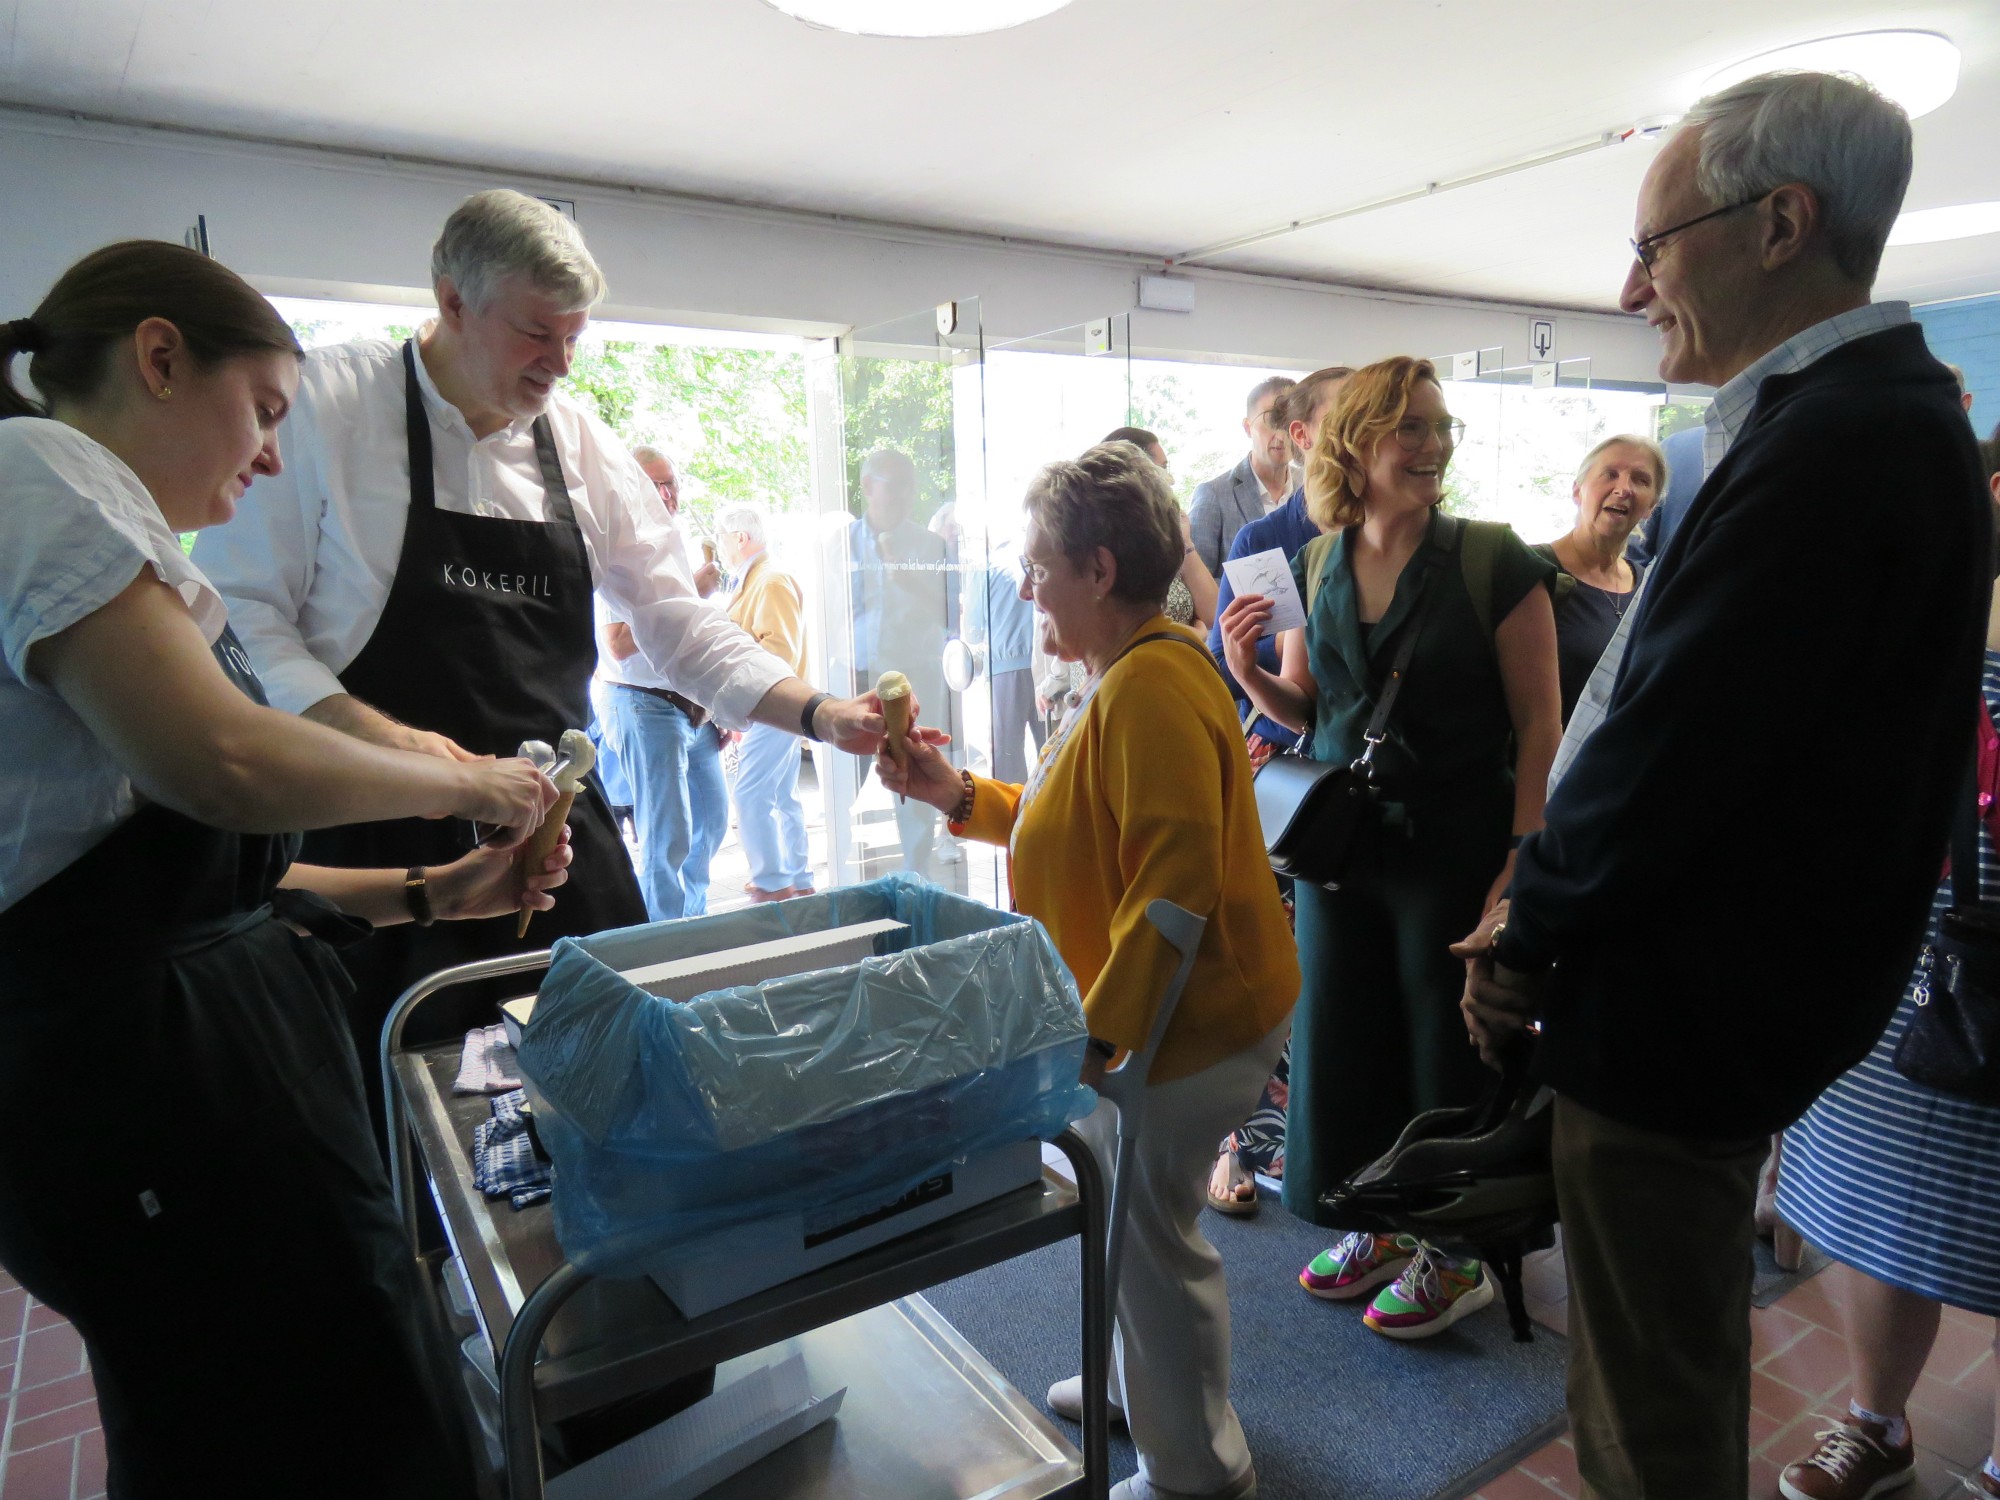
x: 667, y: 1121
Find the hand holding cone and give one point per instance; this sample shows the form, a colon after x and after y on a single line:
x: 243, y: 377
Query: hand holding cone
x: 575, y: 755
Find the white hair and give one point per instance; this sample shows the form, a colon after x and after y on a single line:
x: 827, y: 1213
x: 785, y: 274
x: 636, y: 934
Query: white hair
x: 646, y: 450
x: 1628, y: 440
x: 1830, y: 131
x: 501, y: 233
x: 743, y: 517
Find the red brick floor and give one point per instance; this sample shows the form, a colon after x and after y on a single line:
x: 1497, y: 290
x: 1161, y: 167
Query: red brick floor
x: 50, y: 1445
x: 1798, y: 1377
x: 51, y: 1448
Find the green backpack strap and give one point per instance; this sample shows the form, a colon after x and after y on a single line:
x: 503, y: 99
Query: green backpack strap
x: 1316, y: 554
x: 1478, y: 555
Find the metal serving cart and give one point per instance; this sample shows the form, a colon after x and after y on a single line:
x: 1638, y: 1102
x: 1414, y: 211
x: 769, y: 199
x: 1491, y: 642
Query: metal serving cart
x: 925, y: 1418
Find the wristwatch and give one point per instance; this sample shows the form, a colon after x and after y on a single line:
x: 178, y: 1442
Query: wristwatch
x: 806, y: 717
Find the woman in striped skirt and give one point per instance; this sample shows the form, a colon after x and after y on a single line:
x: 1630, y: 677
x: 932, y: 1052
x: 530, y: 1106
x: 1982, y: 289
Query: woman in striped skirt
x: 1901, y: 1182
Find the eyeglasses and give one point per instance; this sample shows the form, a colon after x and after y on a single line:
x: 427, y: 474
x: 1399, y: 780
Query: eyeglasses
x: 664, y: 486
x: 1038, y: 573
x: 1412, y: 431
x: 1647, y: 251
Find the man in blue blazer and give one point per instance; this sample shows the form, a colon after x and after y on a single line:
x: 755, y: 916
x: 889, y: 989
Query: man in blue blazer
x: 1224, y: 505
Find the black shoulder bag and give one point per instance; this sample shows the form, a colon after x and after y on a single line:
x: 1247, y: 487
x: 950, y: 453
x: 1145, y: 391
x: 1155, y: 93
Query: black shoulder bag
x: 1952, y: 1043
x: 1319, y: 819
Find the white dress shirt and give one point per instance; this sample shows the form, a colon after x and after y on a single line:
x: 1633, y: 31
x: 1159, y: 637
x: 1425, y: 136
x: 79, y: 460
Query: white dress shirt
x: 1723, y: 420
x: 76, y: 528
x: 307, y: 564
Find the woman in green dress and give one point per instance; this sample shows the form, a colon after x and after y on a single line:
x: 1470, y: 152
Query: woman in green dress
x: 1377, y: 1036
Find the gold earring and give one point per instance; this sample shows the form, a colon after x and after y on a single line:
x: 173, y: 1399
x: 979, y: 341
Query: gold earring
x: 164, y: 391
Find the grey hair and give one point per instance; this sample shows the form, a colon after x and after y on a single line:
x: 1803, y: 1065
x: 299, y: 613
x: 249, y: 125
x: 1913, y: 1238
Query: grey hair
x: 1830, y: 131
x: 1630, y: 440
x: 501, y: 233
x: 1112, y: 496
x: 744, y: 517
x: 646, y: 450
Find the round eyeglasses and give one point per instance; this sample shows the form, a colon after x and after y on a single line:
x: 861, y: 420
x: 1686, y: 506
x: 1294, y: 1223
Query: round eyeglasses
x: 1413, y: 432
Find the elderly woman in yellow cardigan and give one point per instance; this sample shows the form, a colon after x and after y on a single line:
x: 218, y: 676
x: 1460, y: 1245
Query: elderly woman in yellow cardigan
x: 1144, y: 793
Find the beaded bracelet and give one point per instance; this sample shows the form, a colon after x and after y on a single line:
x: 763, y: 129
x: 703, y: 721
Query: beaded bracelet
x: 962, y: 814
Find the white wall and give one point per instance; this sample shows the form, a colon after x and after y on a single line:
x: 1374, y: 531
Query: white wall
x: 309, y: 223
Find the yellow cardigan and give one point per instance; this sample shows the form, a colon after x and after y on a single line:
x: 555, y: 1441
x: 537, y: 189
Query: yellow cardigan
x: 770, y: 607
x: 1150, y: 796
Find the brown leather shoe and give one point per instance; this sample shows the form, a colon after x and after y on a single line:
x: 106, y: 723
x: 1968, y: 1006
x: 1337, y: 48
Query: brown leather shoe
x: 1853, y: 1461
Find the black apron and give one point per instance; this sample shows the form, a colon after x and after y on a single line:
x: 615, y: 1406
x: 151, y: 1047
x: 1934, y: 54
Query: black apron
x: 187, y: 1174
x: 487, y: 637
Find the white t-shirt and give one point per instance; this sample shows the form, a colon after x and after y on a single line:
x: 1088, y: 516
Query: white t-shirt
x: 76, y: 527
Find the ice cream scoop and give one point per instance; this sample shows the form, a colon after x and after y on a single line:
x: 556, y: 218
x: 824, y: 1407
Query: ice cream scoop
x: 893, y: 688
x: 573, y: 757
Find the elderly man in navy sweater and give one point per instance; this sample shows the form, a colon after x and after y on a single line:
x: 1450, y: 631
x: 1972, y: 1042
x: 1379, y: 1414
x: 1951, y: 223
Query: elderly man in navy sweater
x: 1719, y: 915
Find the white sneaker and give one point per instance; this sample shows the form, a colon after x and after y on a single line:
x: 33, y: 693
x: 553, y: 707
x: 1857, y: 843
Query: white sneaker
x: 1243, y: 1487
x: 1066, y: 1401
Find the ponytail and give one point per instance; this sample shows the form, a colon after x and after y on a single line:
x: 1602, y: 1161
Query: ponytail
x: 99, y: 301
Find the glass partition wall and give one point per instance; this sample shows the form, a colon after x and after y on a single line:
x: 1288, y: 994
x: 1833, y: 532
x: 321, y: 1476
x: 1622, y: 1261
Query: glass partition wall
x: 898, y: 461
x: 1527, y: 428
x: 924, y: 440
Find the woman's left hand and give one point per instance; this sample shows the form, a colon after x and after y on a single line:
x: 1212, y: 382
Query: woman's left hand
x: 487, y: 882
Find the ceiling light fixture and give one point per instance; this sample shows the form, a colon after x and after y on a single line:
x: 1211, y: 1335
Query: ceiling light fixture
x: 1959, y: 221
x: 916, y: 17
x: 1917, y: 69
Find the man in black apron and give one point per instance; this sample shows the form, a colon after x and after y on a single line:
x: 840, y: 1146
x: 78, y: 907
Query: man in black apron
x: 422, y: 666
x: 484, y: 634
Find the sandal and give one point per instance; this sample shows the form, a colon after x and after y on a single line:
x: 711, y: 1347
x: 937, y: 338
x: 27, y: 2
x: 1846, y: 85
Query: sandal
x: 1233, y: 1180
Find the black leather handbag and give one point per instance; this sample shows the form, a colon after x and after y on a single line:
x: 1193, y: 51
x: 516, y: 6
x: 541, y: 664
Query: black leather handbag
x: 1321, y: 820
x: 1952, y: 1043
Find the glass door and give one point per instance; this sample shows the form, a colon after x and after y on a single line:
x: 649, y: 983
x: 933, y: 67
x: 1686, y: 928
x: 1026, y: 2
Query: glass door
x: 1527, y: 428
x: 898, y: 460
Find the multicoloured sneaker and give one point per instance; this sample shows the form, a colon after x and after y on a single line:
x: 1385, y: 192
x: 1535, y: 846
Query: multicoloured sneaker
x: 1359, y: 1263
x: 1433, y: 1293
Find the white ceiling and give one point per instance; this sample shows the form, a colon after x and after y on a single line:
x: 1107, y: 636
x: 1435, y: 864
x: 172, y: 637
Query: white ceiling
x: 1142, y: 125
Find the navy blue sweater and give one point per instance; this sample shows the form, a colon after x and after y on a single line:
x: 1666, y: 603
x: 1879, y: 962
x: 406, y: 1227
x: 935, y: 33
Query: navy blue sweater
x: 1736, y: 871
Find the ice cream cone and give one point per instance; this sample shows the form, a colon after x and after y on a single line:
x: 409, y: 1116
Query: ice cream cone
x: 541, y: 844
x: 575, y: 756
x: 893, y: 688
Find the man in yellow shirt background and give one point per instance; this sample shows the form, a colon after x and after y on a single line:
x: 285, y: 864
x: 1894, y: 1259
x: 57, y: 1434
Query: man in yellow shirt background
x: 771, y: 607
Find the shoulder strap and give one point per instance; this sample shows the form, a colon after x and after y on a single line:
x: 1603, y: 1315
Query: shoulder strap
x: 1163, y: 635
x: 1477, y: 559
x: 1378, y: 724
x: 1965, y: 846
x: 1315, y: 555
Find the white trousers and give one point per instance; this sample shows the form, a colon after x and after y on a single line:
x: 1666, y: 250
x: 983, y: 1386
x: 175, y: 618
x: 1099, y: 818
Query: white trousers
x: 1170, y: 1355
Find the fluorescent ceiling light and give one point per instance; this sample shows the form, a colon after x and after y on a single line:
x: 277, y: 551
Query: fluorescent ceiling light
x: 916, y: 17
x: 1960, y: 221
x: 1917, y: 69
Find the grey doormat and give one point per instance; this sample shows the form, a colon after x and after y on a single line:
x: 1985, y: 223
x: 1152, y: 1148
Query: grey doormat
x: 1330, y: 1409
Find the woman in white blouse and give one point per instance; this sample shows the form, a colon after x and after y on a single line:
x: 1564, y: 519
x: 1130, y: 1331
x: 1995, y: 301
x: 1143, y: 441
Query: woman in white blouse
x: 188, y: 1173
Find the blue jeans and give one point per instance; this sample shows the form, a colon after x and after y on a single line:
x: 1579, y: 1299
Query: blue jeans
x: 680, y: 805
x: 769, y: 819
